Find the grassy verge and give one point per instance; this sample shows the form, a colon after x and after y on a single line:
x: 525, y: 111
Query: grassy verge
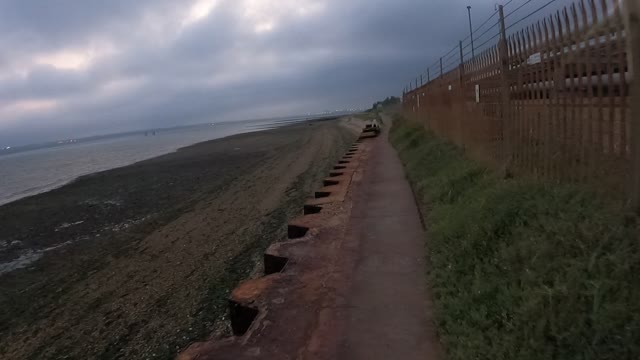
x: 522, y: 269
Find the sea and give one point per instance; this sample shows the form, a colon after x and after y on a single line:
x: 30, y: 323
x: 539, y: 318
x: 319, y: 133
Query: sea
x: 34, y: 171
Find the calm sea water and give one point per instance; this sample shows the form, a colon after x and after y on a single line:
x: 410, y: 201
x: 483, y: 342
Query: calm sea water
x: 32, y: 172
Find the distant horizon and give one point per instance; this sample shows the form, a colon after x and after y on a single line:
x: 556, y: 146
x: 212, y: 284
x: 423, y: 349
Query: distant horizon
x: 12, y: 149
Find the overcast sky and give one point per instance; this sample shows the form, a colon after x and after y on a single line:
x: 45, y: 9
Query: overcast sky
x: 72, y: 68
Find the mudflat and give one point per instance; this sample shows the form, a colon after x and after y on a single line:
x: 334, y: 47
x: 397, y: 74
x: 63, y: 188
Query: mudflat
x: 136, y: 262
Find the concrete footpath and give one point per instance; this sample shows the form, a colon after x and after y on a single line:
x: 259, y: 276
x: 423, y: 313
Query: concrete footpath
x: 349, y: 282
x: 389, y: 312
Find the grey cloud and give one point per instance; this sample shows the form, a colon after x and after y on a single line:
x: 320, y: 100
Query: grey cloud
x: 45, y: 82
x: 47, y: 24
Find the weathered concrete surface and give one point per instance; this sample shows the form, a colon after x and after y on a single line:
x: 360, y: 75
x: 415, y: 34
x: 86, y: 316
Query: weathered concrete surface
x: 349, y: 283
x: 390, y: 313
x: 298, y: 307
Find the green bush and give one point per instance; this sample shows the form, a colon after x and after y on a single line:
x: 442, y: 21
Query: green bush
x: 522, y: 269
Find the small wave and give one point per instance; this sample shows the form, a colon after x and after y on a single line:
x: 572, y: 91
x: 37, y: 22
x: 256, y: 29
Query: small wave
x: 28, y: 257
x: 66, y: 225
x: 34, y: 191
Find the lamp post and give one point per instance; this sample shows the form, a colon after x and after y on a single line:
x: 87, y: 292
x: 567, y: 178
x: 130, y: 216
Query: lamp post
x: 471, y: 32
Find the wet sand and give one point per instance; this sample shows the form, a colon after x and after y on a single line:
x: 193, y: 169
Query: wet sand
x: 136, y: 262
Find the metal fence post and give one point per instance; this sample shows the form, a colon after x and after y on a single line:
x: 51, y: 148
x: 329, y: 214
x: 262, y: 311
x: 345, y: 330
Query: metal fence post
x: 632, y: 29
x: 441, y: 67
x: 505, y: 119
x: 461, y: 109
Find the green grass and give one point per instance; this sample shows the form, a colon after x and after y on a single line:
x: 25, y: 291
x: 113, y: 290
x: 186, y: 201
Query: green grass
x: 522, y: 269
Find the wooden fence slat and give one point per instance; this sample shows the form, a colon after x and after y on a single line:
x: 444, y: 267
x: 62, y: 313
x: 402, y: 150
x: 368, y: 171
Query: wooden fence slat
x: 543, y: 111
x: 622, y: 94
x: 577, y: 72
x: 484, y: 138
x: 548, y: 103
x: 570, y: 150
x: 525, y: 99
x: 599, y: 144
x: 522, y: 98
x: 555, y: 119
x: 632, y: 31
x: 512, y: 109
x: 516, y: 101
x: 527, y: 106
x: 535, y: 118
x: 564, y: 171
x: 520, y: 94
x: 535, y: 108
x: 501, y: 101
x: 588, y: 147
x: 610, y: 119
x: 512, y: 101
x: 533, y: 93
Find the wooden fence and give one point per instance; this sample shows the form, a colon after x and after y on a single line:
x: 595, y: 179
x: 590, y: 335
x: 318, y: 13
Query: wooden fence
x: 550, y: 101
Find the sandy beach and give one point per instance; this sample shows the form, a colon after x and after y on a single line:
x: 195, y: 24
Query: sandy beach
x: 136, y: 262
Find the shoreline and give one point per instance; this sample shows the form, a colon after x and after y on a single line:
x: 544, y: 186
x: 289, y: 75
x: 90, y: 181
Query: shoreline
x: 43, y: 188
x: 48, y: 188
x: 136, y: 163
x: 155, y: 245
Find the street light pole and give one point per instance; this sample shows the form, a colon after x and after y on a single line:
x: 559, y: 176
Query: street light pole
x: 471, y: 32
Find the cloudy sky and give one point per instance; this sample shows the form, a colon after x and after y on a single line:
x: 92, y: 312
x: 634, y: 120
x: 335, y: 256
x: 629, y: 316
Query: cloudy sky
x: 71, y: 68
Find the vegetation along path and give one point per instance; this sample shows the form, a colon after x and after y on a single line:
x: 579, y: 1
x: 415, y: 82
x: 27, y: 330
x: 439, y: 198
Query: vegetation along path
x: 520, y: 268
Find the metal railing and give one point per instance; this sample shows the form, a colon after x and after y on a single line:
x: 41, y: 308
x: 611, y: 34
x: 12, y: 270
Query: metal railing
x: 553, y: 99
